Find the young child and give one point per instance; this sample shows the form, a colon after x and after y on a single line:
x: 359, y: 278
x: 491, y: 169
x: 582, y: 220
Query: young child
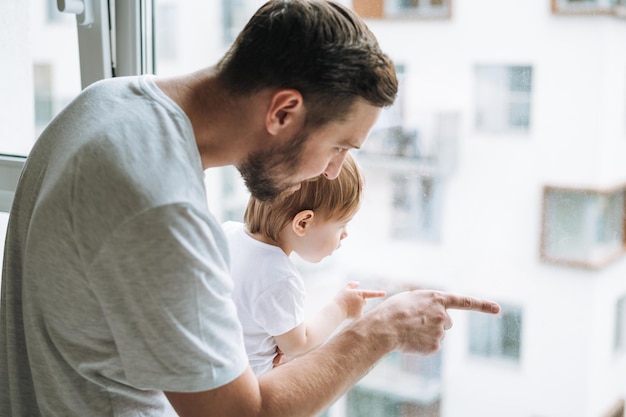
x: 268, y: 291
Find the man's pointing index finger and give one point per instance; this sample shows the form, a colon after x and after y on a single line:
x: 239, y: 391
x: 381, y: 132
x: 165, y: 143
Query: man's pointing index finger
x: 459, y: 302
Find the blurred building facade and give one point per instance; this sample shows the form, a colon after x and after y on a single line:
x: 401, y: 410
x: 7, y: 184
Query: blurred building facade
x: 500, y: 172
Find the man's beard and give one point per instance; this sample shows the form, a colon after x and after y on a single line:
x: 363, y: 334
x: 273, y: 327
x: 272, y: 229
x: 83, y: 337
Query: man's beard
x: 261, y: 170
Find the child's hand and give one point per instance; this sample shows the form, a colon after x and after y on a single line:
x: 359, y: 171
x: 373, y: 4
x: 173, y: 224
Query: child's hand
x: 351, y: 301
x: 280, y: 358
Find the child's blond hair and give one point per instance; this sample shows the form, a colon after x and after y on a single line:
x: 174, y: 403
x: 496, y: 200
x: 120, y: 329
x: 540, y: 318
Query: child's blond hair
x: 335, y: 199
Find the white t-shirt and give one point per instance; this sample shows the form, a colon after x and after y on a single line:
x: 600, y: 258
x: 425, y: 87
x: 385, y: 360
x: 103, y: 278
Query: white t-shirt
x: 269, y: 294
x: 115, y: 282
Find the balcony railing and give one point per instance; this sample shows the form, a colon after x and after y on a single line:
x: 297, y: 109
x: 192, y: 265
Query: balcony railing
x: 428, y: 152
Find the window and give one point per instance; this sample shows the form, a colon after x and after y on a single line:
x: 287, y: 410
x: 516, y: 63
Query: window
x: 401, y: 385
x: 416, y: 160
x: 583, y: 227
x: 416, y: 207
x: 620, y: 325
x: 168, y: 21
x: 497, y: 337
x: 44, y: 109
x: 402, y: 8
x: 597, y: 7
x: 234, y: 197
x: 235, y: 15
x: 41, y: 78
x: 503, y: 98
x: 427, y: 176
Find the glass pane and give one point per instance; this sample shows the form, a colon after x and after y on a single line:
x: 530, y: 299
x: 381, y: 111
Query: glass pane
x: 485, y: 214
x: 55, y: 61
x: 480, y: 216
x: 520, y: 78
x: 39, y: 75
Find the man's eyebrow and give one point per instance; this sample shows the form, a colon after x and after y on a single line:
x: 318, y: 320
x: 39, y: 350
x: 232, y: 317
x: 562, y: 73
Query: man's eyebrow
x: 349, y: 144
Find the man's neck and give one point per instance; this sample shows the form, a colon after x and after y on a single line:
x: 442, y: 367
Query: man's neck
x: 223, y: 126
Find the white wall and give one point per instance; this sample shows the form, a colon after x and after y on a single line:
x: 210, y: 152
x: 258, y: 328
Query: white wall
x: 493, y: 202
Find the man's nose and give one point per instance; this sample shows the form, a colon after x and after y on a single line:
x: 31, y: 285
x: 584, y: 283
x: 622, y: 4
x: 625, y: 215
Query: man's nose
x: 334, y: 166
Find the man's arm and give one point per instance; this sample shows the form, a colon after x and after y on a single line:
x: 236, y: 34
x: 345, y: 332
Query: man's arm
x: 409, y: 322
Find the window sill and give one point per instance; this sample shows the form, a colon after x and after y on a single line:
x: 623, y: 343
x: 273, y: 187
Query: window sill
x: 10, y: 170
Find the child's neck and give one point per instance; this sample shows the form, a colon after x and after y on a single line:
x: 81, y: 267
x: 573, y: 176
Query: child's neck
x: 266, y: 239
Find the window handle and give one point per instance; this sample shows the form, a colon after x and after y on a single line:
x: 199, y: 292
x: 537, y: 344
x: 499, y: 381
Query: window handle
x: 83, y: 9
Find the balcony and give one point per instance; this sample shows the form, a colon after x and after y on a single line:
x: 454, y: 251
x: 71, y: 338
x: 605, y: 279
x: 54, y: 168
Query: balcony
x: 429, y: 152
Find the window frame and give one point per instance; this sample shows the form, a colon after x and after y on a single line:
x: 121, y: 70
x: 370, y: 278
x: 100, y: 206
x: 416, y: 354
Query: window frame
x: 559, y: 7
x: 376, y: 9
x: 122, y: 46
x: 10, y: 170
x: 544, y: 254
x: 620, y: 325
x: 506, y: 98
x: 493, y: 330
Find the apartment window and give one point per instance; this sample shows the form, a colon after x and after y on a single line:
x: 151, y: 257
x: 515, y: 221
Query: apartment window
x: 503, y: 98
x: 44, y: 106
x: 497, y: 337
x: 235, y: 14
x: 416, y: 207
x: 401, y: 385
x: 390, y: 136
x: 378, y: 9
x: 41, y: 77
x: 620, y: 325
x: 583, y: 227
x: 366, y: 403
x: 234, y: 195
x: 167, y: 44
x: 590, y: 7
x: 234, y: 17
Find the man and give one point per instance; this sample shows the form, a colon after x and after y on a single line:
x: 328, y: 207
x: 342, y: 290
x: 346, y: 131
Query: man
x: 115, y: 291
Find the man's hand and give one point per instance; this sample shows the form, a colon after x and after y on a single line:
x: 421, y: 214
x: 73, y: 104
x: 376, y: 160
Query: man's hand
x: 417, y: 320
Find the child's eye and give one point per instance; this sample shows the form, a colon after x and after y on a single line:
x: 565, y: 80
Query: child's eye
x: 341, y: 150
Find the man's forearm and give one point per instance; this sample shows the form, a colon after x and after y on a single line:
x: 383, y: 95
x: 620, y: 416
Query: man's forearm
x: 309, y: 384
x: 410, y: 322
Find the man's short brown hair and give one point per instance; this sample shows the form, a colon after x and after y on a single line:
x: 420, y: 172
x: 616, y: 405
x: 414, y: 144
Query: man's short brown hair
x: 318, y: 47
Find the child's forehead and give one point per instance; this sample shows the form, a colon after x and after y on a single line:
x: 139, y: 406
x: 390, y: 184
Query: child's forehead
x: 339, y: 217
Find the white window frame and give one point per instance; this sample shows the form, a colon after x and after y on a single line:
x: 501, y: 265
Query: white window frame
x: 487, y: 334
x: 392, y: 9
x: 10, y: 169
x: 495, y: 99
x: 620, y: 325
x: 587, y: 246
x: 589, y: 7
x: 115, y: 38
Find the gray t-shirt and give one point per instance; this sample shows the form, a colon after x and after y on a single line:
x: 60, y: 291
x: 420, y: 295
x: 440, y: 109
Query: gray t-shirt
x: 115, y: 279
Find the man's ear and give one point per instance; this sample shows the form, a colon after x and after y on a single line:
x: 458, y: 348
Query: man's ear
x: 301, y: 222
x: 286, y: 110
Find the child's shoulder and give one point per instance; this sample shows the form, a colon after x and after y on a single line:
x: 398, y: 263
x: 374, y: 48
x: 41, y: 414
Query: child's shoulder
x: 231, y: 225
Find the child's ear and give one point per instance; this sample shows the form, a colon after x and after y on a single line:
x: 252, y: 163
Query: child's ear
x: 301, y: 221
